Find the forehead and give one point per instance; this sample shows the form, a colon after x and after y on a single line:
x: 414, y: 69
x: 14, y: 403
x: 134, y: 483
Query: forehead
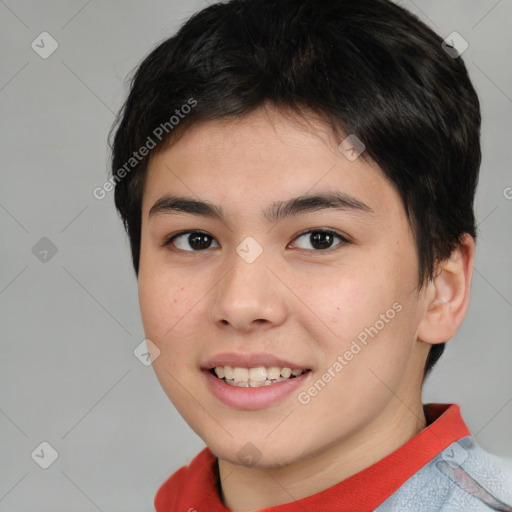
x: 263, y: 158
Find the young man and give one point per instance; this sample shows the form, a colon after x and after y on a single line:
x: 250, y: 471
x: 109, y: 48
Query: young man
x: 297, y: 181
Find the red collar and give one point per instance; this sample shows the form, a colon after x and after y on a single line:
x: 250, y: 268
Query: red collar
x: 194, y: 487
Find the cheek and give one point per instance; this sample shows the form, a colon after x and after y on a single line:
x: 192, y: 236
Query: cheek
x: 167, y: 308
x: 165, y: 302
x: 346, y: 301
x: 363, y: 310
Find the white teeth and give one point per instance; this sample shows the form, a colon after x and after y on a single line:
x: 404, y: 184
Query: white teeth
x: 228, y: 372
x: 273, y: 372
x: 258, y: 374
x: 251, y: 384
x: 255, y: 377
x: 240, y: 374
x: 286, y: 372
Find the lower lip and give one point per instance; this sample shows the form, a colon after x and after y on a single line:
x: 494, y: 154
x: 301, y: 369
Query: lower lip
x: 252, y: 398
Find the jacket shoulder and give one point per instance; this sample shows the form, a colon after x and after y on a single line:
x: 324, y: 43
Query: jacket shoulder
x: 462, y: 477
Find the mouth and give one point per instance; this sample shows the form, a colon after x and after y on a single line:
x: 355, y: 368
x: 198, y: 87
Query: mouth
x: 255, y: 387
x: 256, y: 377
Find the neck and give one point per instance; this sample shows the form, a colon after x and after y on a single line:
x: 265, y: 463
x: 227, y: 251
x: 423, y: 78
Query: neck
x: 246, y: 489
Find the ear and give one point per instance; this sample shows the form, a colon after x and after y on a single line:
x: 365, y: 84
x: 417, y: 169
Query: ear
x: 447, y: 295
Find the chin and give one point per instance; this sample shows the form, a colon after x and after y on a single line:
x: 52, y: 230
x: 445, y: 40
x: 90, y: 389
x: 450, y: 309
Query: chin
x: 248, y: 451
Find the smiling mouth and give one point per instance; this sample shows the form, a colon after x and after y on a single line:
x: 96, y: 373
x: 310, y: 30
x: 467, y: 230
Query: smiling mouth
x: 255, y: 377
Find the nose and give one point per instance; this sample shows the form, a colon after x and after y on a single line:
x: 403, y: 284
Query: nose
x: 249, y: 297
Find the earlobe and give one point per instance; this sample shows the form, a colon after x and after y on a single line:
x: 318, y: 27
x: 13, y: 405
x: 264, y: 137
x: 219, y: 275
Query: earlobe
x: 447, y: 294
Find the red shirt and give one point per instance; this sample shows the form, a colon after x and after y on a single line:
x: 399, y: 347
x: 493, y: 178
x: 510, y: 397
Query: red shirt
x: 194, y: 487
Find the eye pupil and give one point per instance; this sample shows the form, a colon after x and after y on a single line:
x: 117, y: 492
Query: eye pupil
x: 321, y: 239
x: 199, y: 240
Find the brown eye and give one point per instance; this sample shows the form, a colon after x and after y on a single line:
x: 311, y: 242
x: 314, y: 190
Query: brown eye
x: 321, y: 239
x: 191, y: 241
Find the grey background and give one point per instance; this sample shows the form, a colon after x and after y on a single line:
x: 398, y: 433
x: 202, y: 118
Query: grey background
x: 69, y: 325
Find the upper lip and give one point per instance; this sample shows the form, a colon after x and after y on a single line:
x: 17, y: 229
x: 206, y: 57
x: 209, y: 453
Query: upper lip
x: 250, y: 361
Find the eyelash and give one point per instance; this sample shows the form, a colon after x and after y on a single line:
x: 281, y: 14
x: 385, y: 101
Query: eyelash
x: 343, y: 239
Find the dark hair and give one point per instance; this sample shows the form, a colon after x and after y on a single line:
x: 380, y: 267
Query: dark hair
x: 365, y: 67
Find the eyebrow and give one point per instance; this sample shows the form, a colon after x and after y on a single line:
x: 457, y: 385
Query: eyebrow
x: 279, y: 210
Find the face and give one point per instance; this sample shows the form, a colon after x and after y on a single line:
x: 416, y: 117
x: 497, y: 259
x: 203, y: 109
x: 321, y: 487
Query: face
x: 250, y: 280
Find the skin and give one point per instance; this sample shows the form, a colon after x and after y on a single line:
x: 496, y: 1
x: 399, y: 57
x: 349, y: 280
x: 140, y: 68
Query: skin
x: 295, y: 301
